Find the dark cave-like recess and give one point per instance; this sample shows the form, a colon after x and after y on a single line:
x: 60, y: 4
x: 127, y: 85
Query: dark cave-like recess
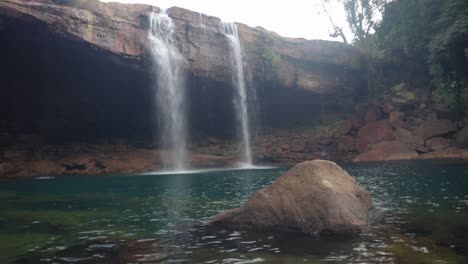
x: 65, y: 90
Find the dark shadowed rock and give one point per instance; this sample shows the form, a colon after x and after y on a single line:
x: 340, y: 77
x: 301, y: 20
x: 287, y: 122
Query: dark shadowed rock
x: 357, y: 121
x: 388, y: 150
x: 462, y: 137
x: 298, y: 146
x: 344, y: 128
x: 447, y: 153
x: 388, y: 108
x: 314, y: 197
x: 372, y: 133
x: 434, y: 128
x: 437, y: 143
x: 406, y: 136
x: 396, y: 117
x: 346, y: 143
x: 373, y: 113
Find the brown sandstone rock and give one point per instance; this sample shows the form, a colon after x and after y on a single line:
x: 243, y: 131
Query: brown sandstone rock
x: 357, y: 121
x: 212, y: 161
x: 122, y: 29
x: 462, y: 137
x: 372, y: 133
x: 386, y: 151
x: 388, y: 108
x: 346, y: 143
x: 344, y: 128
x: 373, y: 113
x: 298, y: 146
x: 410, y: 139
x: 448, y: 153
x: 434, y: 128
x: 396, y: 117
x: 314, y: 197
x: 437, y: 143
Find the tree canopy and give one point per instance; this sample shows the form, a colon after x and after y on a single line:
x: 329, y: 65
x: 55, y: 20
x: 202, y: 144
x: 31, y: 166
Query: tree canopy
x: 432, y: 31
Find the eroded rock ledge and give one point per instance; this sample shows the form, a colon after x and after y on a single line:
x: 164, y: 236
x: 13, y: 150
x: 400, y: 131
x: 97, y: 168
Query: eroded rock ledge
x: 321, y: 66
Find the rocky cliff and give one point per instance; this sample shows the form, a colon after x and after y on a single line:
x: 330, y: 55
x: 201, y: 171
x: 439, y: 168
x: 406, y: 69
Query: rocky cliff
x: 78, y: 73
x: 122, y: 29
x: 86, y: 64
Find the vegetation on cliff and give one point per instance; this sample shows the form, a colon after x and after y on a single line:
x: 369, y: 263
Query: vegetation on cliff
x: 430, y: 34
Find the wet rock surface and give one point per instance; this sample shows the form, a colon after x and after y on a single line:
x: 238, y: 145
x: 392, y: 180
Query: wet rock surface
x: 89, y: 159
x: 386, y: 151
x: 314, y: 197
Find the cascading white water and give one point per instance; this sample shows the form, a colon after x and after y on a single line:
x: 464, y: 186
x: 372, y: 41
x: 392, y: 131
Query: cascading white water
x: 200, y: 15
x: 170, y: 94
x: 240, y: 100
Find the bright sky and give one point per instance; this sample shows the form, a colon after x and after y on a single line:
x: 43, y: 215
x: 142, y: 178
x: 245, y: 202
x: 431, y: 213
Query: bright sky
x: 293, y: 18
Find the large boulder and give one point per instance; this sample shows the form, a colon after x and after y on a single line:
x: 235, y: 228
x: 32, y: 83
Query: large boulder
x: 373, y: 113
x: 388, y: 150
x: 406, y: 136
x: 396, y: 118
x: 434, y: 128
x: 372, y: 133
x: 314, y: 197
x: 437, y: 143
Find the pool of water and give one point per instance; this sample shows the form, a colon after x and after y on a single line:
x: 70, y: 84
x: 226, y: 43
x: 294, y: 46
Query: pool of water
x: 421, y: 217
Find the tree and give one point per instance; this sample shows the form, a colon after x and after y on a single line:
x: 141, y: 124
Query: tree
x: 363, y: 16
x: 447, y: 54
x: 337, y: 30
x: 408, y: 25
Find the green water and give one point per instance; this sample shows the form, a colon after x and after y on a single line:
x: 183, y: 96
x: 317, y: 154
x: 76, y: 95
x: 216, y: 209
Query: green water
x: 421, y: 217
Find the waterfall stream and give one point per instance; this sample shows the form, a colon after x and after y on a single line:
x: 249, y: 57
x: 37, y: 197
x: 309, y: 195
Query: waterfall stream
x: 170, y: 91
x: 240, y: 100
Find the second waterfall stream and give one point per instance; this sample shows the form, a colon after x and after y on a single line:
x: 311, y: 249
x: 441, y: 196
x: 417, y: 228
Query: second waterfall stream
x: 241, y: 94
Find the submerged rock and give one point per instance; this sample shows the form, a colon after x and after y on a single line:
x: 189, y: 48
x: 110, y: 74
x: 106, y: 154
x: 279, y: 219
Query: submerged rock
x: 314, y: 197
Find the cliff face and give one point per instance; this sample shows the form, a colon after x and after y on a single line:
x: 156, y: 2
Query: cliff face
x: 79, y: 70
x: 122, y: 30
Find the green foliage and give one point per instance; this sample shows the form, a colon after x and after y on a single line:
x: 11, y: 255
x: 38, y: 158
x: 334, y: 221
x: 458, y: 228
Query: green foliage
x: 362, y: 16
x: 219, y: 152
x: 271, y: 60
x: 432, y: 31
x: 447, y: 54
x: 407, y: 25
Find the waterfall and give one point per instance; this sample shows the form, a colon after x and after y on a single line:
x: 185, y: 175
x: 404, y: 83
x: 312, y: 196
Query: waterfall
x: 240, y: 100
x: 200, y: 15
x: 170, y: 94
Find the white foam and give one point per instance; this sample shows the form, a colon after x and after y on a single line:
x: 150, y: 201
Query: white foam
x: 239, y: 166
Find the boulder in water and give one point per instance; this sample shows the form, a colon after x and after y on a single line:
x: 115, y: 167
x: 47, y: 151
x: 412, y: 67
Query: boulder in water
x: 314, y: 197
